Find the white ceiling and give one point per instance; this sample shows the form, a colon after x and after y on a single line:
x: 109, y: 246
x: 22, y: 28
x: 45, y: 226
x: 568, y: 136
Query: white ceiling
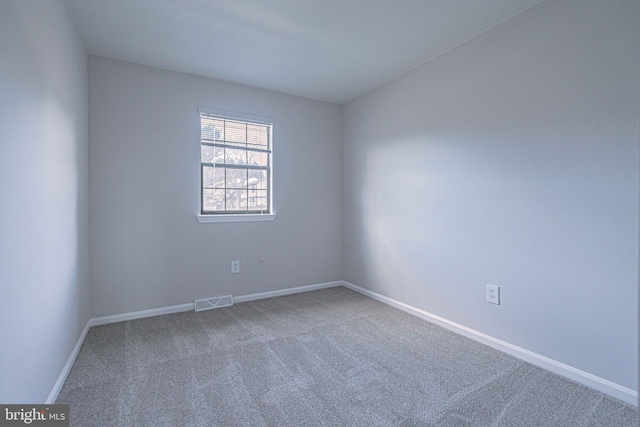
x: 329, y: 50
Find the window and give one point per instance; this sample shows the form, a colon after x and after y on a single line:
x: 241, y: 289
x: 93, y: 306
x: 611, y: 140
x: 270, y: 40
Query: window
x: 235, y: 165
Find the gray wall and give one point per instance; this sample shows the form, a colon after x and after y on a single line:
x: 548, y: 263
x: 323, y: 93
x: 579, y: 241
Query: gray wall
x: 45, y: 301
x: 513, y: 160
x: 147, y: 248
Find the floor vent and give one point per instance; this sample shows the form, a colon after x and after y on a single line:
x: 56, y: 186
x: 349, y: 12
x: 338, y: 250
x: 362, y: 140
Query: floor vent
x: 209, y: 303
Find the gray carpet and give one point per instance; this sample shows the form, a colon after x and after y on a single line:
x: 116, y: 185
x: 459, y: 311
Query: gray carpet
x: 324, y: 358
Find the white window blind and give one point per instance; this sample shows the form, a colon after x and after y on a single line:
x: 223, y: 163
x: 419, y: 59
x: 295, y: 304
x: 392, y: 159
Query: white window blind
x: 235, y: 165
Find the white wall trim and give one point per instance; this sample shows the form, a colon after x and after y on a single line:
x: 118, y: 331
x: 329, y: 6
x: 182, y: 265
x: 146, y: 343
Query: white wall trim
x: 122, y: 317
x: 605, y: 386
x: 67, y: 366
x: 206, y: 219
x: 287, y: 291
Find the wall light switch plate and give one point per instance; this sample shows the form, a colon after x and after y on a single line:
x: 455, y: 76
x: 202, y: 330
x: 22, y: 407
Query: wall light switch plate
x: 493, y: 294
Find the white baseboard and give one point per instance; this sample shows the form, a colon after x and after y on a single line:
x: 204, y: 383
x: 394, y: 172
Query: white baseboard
x: 612, y: 389
x: 103, y: 320
x: 122, y: 317
x: 287, y: 291
x: 190, y: 306
x: 67, y: 366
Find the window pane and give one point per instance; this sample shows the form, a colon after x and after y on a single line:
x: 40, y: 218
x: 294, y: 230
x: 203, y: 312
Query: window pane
x: 257, y: 135
x: 213, y: 200
x: 206, y: 154
x: 257, y: 179
x: 209, y: 154
x: 235, y: 156
x: 218, y: 130
x: 206, y: 128
x: 207, y: 200
x: 243, y: 199
x: 211, y: 129
x: 236, y: 132
x: 236, y: 178
x: 218, y: 177
x: 257, y: 199
x: 213, y: 177
x: 256, y: 158
x: 218, y: 200
x: 207, y: 177
x: 218, y: 155
x: 236, y: 200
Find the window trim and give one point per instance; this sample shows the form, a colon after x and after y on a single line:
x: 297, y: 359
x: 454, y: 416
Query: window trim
x: 209, y: 218
x: 235, y: 216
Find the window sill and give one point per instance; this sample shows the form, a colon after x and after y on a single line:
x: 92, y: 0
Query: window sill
x: 203, y: 219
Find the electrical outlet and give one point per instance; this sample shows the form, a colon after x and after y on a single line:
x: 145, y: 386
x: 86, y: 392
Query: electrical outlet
x: 235, y: 266
x: 493, y: 294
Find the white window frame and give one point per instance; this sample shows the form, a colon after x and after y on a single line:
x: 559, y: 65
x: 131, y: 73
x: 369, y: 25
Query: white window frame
x: 235, y: 216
